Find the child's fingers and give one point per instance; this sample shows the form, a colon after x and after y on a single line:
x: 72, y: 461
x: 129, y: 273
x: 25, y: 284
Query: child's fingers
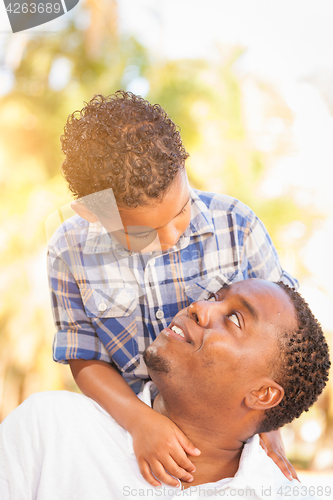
x: 187, y: 445
x: 262, y: 444
x: 181, y: 459
x: 146, y: 473
x: 284, y: 465
x: 161, y: 474
x: 173, y: 468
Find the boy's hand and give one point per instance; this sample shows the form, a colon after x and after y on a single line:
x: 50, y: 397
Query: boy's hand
x: 160, y: 448
x: 272, y: 443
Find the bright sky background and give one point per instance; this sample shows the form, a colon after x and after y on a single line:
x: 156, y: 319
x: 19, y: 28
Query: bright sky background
x: 286, y: 38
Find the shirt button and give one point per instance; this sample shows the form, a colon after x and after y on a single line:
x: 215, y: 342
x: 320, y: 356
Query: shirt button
x: 102, y: 307
x: 159, y: 314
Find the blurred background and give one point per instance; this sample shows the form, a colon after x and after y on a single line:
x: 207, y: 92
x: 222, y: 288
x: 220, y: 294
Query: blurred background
x: 249, y: 83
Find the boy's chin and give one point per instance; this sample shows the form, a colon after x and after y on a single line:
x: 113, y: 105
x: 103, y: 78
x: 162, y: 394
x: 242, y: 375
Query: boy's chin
x: 157, y: 247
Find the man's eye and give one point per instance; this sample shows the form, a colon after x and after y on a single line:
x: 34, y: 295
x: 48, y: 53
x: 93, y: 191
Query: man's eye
x: 212, y: 297
x: 233, y: 317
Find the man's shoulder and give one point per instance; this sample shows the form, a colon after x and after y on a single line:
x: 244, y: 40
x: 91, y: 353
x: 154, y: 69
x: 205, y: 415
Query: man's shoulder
x: 223, y: 203
x: 52, y: 409
x: 260, y: 474
x: 54, y: 400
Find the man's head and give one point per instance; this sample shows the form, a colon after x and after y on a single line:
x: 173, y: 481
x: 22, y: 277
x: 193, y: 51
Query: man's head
x: 124, y: 143
x: 257, y: 347
x: 303, y: 368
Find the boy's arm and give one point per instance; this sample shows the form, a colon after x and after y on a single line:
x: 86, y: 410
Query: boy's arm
x: 75, y: 335
x: 166, y: 446
x: 102, y: 383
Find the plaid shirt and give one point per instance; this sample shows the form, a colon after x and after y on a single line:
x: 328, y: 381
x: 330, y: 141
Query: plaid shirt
x: 109, y: 304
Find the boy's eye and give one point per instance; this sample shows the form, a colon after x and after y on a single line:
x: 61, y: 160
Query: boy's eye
x: 233, y: 317
x: 140, y: 232
x: 140, y: 236
x: 184, y: 209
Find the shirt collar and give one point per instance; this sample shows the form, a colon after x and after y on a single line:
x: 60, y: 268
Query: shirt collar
x: 255, y: 471
x: 99, y: 241
x: 201, y: 219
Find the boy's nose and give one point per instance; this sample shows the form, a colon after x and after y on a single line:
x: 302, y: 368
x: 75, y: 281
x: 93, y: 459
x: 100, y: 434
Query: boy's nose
x: 168, y: 235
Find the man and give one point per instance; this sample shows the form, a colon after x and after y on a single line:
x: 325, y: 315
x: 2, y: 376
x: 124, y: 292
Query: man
x: 250, y: 361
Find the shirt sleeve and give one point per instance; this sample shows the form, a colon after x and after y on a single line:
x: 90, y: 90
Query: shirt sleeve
x: 262, y: 258
x: 75, y: 337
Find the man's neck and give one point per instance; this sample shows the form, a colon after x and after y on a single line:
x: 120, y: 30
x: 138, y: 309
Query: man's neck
x: 216, y: 461
x: 220, y: 451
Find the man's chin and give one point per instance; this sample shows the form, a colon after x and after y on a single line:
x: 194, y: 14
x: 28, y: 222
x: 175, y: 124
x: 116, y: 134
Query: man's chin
x: 154, y: 362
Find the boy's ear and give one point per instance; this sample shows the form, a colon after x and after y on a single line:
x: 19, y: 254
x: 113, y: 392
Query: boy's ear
x: 269, y: 394
x: 84, y: 212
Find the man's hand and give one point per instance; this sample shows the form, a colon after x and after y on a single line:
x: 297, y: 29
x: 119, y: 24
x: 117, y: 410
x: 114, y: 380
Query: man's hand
x: 272, y: 443
x: 160, y: 448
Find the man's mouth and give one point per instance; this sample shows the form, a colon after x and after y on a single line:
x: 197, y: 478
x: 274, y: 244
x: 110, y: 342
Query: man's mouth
x: 178, y: 330
x: 178, y: 333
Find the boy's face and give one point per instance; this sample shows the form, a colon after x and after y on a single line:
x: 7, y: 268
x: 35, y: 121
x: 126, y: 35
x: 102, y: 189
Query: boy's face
x: 159, y: 225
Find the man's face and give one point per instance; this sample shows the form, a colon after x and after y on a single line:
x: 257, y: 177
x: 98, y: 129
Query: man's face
x: 219, y: 348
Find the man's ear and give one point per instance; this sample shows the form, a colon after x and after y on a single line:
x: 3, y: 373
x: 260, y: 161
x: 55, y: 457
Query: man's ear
x: 267, y: 396
x: 84, y: 212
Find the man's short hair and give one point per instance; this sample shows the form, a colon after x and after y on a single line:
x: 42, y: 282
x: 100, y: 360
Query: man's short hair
x: 303, y: 368
x: 124, y: 143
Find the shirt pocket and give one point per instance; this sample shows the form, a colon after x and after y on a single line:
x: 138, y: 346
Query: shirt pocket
x: 200, y: 290
x: 109, y: 302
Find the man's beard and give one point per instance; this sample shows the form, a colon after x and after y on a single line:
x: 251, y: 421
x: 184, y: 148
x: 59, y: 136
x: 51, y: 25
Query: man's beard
x: 154, y: 362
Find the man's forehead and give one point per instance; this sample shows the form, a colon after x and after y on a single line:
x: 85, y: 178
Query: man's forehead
x: 259, y: 297
x: 243, y: 298
x: 250, y: 286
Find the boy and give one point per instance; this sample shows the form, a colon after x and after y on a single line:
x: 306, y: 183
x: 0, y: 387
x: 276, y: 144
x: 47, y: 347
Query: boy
x: 143, y: 246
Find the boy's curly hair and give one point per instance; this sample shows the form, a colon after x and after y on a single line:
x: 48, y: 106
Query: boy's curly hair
x: 303, y: 368
x: 125, y: 143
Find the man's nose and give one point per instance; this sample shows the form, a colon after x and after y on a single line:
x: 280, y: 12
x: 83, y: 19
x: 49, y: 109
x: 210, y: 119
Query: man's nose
x: 200, y: 312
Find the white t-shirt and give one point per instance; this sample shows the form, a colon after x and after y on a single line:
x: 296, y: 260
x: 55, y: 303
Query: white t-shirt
x: 64, y: 446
